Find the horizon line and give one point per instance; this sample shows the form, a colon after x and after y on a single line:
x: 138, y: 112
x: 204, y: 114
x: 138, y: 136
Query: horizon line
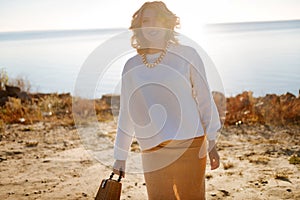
x: 123, y: 28
x: 250, y: 22
x: 64, y: 30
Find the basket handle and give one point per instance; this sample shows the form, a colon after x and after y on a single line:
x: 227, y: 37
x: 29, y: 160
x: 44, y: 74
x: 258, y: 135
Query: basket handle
x: 120, y: 176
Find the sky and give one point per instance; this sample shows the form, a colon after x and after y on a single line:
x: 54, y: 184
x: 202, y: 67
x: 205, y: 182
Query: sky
x: 26, y: 15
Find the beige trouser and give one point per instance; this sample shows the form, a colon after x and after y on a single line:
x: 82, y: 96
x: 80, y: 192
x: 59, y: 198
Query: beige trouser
x: 173, y: 170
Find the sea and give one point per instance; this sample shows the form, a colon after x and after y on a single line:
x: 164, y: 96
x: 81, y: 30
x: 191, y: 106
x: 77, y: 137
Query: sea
x: 262, y: 57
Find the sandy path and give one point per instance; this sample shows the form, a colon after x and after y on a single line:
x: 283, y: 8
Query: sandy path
x: 47, y: 161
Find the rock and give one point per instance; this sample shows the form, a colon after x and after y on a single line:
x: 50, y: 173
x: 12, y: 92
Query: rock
x: 31, y: 143
x: 12, y: 90
x: 268, y: 110
x: 240, y: 108
x: 290, y: 108
x: 3, y: 97
x: 225, y: 193
x: 3, y: 93
x: 84, y: 194
x: 23, y: 96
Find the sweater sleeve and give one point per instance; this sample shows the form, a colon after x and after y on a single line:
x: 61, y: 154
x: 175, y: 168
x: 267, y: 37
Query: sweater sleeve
x: 201, y: 92
x: 125, y: 129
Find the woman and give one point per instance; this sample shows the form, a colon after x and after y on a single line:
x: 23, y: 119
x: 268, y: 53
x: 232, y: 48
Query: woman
x: 167, y: 105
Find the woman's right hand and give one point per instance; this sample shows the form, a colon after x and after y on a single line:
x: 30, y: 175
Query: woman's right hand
x: 119, y: 165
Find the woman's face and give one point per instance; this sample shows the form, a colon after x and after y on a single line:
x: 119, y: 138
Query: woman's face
x: 152, y: 26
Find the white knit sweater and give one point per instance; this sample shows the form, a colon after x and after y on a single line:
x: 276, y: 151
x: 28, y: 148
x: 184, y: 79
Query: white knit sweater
x: 169, y: 101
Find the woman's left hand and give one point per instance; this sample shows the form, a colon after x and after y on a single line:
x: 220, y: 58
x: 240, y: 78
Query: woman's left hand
x: 214, y: 157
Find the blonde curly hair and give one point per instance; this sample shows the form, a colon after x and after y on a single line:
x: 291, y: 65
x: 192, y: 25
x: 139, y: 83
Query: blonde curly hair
x: 169, y: 20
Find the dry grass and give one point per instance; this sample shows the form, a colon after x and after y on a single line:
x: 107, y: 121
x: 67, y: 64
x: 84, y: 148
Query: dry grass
x: 259, y: 159
x: 31, y: 143
x: 21, y: 82
x: 294, y: 159
x: 3, y: 78
x: 230, y: 173
x: 60, y: 108
x: 14, y: 112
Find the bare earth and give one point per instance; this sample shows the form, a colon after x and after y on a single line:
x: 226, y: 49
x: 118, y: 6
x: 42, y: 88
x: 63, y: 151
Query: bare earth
x: 49, y: 161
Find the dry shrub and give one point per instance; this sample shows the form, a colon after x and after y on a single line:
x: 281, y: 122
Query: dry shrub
x: 83, y: 111
x: 14, y: 112
x: 294, y: 159
x: 21, y: 82
x: 89, y: 110
x: 52, y: 107
x: 105, y: 115
x: 57, y: 108
x: 104, y: 111
x: 55, y: 104
x: 3, y: 79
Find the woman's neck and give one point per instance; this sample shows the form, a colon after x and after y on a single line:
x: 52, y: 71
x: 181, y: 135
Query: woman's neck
x: 155, y: 48
x: 153, y: 51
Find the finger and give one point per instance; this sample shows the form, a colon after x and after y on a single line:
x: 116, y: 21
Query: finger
x: 118, y: 172
x: 123, y: 174
x: 115, y: 171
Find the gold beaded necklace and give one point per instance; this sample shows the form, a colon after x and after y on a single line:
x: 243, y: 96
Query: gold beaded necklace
x: 157, y: 61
